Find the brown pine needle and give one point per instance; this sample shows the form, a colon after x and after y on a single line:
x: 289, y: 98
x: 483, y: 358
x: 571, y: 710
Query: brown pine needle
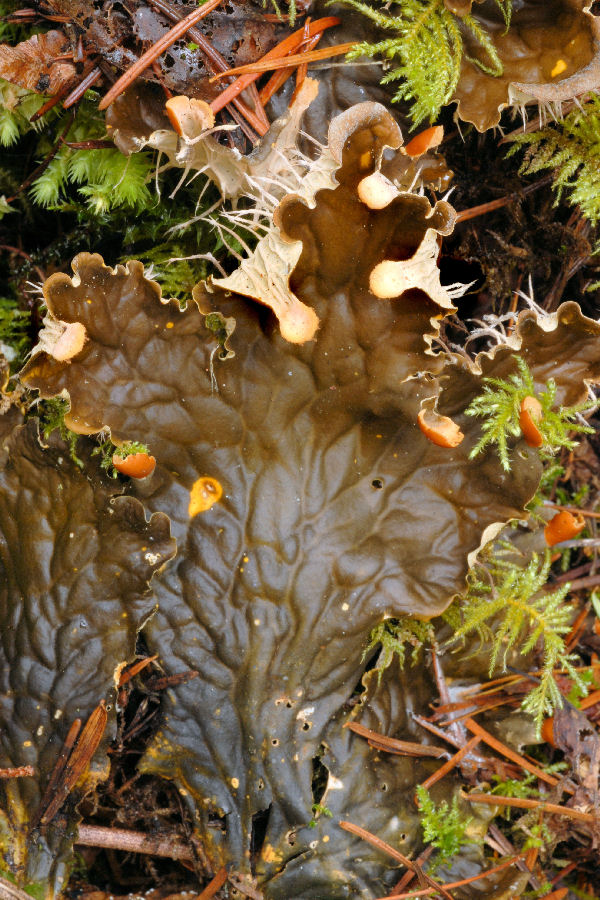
x: 213, y: 886
x: 78, y: 761
x: 284, y: 62
x: 216, y: 63
x: 77, y: 93
x: 573, y: 509
x: 524, y: 803
x: 280, y: 77
x: 147, y: 58
x: 452, y: 762
x: 484, y: 208
x: 395, y: 854
x: 501, y: 748
x: 57, y: 771
x: 454, y: 884
x: 393, y: 745
x: 128, y: 673
x: 292, y: 42
x: 590, y: 700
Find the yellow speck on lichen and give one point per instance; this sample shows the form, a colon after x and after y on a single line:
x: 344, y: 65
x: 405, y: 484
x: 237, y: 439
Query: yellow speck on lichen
x: 559, y: 68
x: 205, y: 493
x: 169, y: 325
x: 235, y: 783
x: 270, y: 854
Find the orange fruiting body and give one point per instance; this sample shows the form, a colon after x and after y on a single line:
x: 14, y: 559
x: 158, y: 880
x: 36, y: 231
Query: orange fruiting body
x: 136, y: 465
x: 548, y: 731
x: 440, y: 430
x: 530, y: 414
x: 424, y: 141
x: 204, y: 494
x: 562, y: 527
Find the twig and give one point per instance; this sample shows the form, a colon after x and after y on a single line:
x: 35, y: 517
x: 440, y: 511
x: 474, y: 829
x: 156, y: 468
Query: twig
x: 439, y: 732
x: 147, y: 58
x: 524, y: 803
x: 589, y: 582
x: 409, y: 875
x: 457, y: 730
x: 132, y: 842
x: 498, y: 841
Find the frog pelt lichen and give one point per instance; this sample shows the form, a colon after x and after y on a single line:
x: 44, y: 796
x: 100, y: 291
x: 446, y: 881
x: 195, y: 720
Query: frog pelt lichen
x: 335, y: 512
x: 76, y: 559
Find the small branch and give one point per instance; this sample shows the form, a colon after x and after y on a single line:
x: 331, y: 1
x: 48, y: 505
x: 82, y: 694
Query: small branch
x: 132, y: 842
x: 147, y: 58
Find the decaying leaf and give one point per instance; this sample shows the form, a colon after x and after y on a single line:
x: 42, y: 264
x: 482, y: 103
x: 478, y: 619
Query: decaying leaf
x: 76, y: 560
x: 32, y: 65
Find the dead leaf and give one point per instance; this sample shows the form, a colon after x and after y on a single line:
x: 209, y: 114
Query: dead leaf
x: 31, y: 64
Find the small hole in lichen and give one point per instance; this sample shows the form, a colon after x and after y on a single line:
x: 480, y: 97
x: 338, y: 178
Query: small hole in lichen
x: 289, y: 704
x: 377, y: 483
x: 595, y: 8
x: 306, y: 726
x: 524, y: 454
x: 384, y: 787
x: 275, y: 742
x: 403, y: 836
x: 291, y: 838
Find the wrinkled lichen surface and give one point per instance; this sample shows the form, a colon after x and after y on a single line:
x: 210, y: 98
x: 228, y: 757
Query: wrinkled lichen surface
x: 335, y: 512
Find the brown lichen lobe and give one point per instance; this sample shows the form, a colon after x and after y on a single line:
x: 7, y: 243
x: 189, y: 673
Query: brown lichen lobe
x: 338, y: 512
x: 550, y: 53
